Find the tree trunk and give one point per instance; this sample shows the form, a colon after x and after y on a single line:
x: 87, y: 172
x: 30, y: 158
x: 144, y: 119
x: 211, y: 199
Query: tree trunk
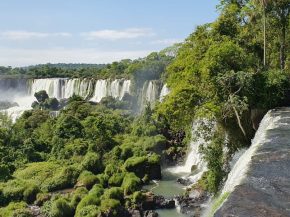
x: 264, y: 23
x: 283, y: 47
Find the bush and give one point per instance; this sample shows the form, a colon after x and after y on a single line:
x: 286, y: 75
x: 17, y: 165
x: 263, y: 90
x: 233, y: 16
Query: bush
x: 17, y: 190
x: 114, y: 193
x: 97, y: 191
x: 88, y: 179
x: 89, y: 199
x: 78, y: 195
x: 16, y: 210
x: 61, y: 208
x: 88, y: 211
x: 116, y: 179
x: 4, y: 172
x: 110, y: 206
x: 65, y: 179
x: 138, y: 197
x: 92, y: 162
x: 131, y: 183
x: 103, y: 180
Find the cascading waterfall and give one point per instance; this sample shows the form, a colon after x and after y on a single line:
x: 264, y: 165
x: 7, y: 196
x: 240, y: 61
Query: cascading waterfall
x: 22, y: 91
x: 150, y: 93
x: 117, y: 89
x: 239, y: 170
x: 194, y: 165
x: 164, y: 92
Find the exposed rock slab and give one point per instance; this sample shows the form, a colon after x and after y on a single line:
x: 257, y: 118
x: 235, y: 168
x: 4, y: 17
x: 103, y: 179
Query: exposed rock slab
x: 265, y: 191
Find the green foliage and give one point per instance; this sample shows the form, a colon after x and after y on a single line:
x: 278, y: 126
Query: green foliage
x: 88, y: 211
x: 113, y: 193
x: 68, y: 127
x: 131, y: 183
x: 41, y: 96
x: 213, y: 154
x: 138, y: 197
x: 18, y: 190
x: 61, y: 208
x: 116, y: 180
x: 16, y: 210
x: 87, y: 179
x: 92, y: 162
x: 110, y: 206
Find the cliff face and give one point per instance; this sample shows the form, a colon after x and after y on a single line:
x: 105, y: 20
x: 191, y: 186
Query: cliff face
x: 264, y: 189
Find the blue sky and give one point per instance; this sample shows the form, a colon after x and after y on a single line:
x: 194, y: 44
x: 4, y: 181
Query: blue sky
x: 95, y: 31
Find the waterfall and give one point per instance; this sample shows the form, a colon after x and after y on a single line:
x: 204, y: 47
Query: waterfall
x: 164, y: 92
x: 194, y: 158
x: 52, y: 86
x: 240, y: 168
x: 62, y: 88
x: 116, y: 89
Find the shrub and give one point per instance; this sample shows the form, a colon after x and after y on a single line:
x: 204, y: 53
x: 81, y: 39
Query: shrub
x: 92, y: 162
x: 97, y: 191
x: 110, y: 206
x: 116, y: 179
x: 138, y: 197
x: 88, y: 211
x: 61, y: 208
x: 114, y: 193
x: 78, y: 195
x: 103, y: 180
x: 89, y: 199
x: 131, y: 183
x: 16, y: 210
x: 88, y: 179
x: 17, y: 190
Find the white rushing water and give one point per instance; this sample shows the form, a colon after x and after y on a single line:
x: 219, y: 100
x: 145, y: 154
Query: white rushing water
x: 194, y: 157
x: 22, y: 91
x: 164, y: 92
x: 117, y: 89
x: 239, y: 171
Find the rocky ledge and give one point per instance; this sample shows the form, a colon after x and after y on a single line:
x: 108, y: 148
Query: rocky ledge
x: 265, y: 189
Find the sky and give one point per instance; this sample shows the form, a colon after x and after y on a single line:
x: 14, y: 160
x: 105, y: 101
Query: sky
x: 95, y: 31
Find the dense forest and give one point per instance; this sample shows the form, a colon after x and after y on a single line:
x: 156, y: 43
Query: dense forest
x: 93, y: 159
x: 150, y: 67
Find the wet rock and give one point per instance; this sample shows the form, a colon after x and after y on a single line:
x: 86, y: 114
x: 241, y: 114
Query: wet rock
x: 146, y: 213
x: 265, y: 188
x: 193, y: 168
x: 135, y: 213
x: 153, y: 202
x: 162, y: 203
x: 155, y: 172
x: 121, y: 211
x: 183, y: 181
x: 150, y: 213
x: 192, y: 204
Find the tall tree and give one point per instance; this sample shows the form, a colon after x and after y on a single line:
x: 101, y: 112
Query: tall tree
x: 280, y: 10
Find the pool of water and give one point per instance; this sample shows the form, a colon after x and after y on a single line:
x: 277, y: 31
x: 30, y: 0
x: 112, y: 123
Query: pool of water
x: 169, y: 188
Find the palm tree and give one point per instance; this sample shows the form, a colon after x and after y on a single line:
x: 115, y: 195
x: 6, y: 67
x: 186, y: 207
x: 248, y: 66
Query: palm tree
x: 264, y: 4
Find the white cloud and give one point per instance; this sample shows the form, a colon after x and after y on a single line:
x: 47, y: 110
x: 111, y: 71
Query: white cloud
x: 24, y: 57
x: 110, y: 34
x: 24, y: 35
x: 168, y: 41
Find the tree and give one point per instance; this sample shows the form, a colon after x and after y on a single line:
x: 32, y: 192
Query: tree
x: 280, y: 10
x: 41, y: 96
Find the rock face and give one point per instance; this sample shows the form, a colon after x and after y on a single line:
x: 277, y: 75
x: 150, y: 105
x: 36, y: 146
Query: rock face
x: 265, y: 189
x: 153, y: 202
x: 191, y: 204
